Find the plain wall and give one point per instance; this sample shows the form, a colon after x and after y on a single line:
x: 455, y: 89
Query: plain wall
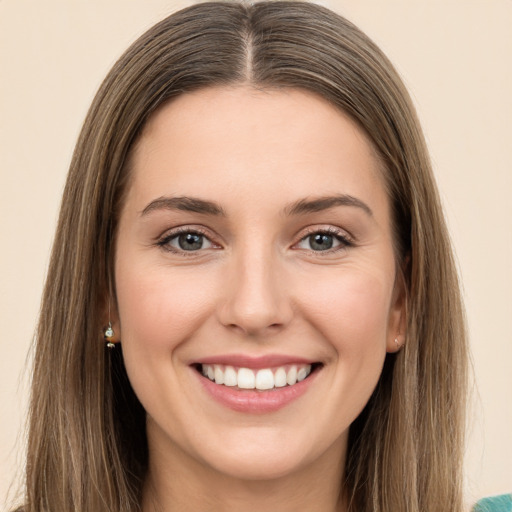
x: 454, y: 55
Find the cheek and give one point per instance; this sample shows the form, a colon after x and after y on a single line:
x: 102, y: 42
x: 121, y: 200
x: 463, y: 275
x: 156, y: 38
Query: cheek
x: 351, y: 310
x: 159, y: 310
x: 159, y: 307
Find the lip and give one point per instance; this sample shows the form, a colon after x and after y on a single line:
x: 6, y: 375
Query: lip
x: 252, y: 401
x: 254, y: 363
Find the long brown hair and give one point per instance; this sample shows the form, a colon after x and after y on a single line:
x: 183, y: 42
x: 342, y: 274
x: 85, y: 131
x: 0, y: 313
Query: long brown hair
x: 87, y: 448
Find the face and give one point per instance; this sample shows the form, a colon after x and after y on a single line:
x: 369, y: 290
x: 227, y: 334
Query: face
x: 256, y: 280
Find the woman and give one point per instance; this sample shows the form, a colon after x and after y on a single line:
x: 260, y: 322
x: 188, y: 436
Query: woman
x: 251, y: 302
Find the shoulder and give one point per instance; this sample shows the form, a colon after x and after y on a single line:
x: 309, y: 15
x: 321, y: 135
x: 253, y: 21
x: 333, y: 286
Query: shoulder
x: 501, y: 503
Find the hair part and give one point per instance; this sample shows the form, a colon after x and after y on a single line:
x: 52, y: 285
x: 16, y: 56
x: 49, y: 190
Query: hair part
x: 87, y: 446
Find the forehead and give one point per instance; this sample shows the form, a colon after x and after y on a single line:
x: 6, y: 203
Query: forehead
x: 240, y: 140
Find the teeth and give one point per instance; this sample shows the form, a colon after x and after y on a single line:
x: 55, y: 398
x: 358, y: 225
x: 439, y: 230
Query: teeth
x: 280, y: 378
x: 218, y: 374
x: 291, y: 376
x: 266, y: 378
x: 246, y: 378
x: 301, y: 374
x: 230, y: 376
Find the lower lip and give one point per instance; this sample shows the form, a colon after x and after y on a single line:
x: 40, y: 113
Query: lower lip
x: 256, y: 402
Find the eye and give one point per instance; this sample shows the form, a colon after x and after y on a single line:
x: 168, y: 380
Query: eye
x: 324, y: 240
x: 185, y: 240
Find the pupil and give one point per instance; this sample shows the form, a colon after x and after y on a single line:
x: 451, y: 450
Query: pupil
x: 321, y: 242
x: 190, y: 241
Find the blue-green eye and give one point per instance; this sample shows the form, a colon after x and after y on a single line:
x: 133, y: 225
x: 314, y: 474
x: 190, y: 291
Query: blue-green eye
x: 188, y: 241
x: 323, y: 241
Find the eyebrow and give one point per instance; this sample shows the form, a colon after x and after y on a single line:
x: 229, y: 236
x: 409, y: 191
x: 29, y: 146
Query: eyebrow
x: 319, y: 204
x: 184, y: 203
x: 300, y: 207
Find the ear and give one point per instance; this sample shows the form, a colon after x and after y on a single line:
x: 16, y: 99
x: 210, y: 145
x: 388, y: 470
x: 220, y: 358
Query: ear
x: 397, y: 322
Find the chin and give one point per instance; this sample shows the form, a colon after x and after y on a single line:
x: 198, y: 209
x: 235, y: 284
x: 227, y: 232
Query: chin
x: 269, y: 454
x: 259, y: 467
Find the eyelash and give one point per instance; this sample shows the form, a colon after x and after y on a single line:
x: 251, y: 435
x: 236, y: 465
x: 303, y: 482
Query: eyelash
x: 344, y: 240
x: 163, y: 242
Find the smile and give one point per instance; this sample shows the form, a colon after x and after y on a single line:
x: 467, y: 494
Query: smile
x: 256, y: 385
x: 261, y: 379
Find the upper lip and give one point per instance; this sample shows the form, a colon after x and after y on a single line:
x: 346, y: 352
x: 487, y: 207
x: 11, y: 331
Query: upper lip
x: 246, y: 361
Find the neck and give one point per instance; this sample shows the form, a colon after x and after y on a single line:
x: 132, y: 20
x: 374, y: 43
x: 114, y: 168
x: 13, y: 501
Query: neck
x: 178, y: 482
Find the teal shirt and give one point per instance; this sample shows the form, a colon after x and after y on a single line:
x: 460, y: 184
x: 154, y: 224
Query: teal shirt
x: 495, y: 504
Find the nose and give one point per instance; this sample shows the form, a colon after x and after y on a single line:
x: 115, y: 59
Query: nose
x: 256, y: 300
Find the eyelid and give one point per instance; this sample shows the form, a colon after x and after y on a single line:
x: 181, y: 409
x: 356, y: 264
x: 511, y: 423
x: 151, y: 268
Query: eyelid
x: 163, y: 240
x: 345, y: 239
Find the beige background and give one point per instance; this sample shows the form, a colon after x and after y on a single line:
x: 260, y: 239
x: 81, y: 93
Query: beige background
x: 455, y: 56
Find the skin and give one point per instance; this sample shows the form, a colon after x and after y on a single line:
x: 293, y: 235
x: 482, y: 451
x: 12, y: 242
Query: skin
x: 257, y: 287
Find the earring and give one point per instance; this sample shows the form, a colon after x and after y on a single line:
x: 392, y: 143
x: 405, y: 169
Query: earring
x: 398, y: 344
x: 109, y: 334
